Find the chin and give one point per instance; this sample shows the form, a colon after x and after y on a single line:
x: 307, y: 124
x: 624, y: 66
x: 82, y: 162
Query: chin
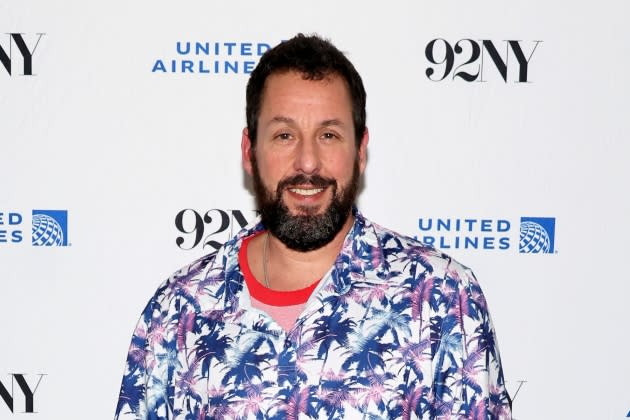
x: 303, y: 210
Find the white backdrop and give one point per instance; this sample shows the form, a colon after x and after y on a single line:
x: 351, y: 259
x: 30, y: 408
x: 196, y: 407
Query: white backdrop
x: 124, y: 149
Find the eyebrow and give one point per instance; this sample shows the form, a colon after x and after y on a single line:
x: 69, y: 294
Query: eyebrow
x: 334, y: 122
x: 291, y: 121
x: 281, y: 119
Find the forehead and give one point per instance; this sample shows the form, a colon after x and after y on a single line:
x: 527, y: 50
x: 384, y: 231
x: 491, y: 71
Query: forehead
x: 291, y: 91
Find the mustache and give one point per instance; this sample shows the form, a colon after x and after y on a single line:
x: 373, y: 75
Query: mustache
x: 317, y: 181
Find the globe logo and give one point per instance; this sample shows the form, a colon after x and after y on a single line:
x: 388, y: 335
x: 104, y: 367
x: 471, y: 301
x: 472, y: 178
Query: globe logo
x: 46, y: 231
x: 534, y: 238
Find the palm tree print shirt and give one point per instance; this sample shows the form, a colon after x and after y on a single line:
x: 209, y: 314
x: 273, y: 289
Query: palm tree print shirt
x: 396, y: 329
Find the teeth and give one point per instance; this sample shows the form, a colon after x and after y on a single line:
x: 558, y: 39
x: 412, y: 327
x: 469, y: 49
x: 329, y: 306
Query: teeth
x: 306, y: 192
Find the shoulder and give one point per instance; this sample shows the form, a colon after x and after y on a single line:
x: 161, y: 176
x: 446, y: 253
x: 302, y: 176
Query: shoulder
x: 185, y: 282
x: 403, y: 254
x: 201, y: 284
x: 188, y: 277
x: 432, y: 274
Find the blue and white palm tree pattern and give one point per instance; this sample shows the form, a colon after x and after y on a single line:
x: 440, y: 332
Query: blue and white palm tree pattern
x: 396, y: 329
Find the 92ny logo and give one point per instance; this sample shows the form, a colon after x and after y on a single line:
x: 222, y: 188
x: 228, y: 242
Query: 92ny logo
x: 8, y: 54
x: 468, y: 59
x: 9, y: 394
x: 212, y: 229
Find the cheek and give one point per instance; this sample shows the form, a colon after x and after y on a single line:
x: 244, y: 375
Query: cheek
x: 273, y: 169
x: 341, y: 166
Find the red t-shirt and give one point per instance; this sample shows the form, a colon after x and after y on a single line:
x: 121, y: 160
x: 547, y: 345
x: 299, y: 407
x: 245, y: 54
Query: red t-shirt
x: 283, y: 306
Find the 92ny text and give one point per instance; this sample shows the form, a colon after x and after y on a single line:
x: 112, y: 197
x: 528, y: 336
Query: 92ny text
x: 221, y: 225
x: 7, y: 56
x: 28, y: 393
x: 474, y: 59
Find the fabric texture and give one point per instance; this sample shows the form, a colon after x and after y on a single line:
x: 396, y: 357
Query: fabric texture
x: 285, y: 315
x: 394, y: 330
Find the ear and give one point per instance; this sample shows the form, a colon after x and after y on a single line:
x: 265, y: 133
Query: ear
x: 363, y: 150
x: 246, y: 151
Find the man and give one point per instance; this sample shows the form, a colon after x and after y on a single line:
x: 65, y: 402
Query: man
x: 313, y: 311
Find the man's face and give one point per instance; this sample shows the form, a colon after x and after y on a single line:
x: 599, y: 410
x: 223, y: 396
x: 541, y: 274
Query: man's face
x: 306, y: 165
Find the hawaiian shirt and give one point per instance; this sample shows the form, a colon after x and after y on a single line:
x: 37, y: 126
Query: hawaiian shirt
x: 395, y: 329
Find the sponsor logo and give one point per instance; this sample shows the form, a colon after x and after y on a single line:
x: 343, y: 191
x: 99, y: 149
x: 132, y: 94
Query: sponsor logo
x: 15, y: 50
x: 210, y: 230
x: 537, y: 234
x: 204, y: 57
x: 10, y: 228
x: 480, y: 60
x: 48, y: 227
x: 21, y: 396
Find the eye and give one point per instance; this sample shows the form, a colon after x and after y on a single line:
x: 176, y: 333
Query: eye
x: 329, y: 135
x: 283, y: 136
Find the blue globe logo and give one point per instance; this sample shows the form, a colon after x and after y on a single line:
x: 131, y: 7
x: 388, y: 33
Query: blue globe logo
x: 46, y: 231
x: 534, y: 239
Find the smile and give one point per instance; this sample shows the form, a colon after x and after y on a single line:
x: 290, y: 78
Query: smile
x: 303, y: 191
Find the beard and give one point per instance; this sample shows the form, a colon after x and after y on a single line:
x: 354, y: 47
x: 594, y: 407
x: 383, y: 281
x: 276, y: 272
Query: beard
x: 310, y: 230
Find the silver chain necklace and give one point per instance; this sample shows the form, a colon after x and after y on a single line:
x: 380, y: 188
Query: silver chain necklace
x: 265, y: 246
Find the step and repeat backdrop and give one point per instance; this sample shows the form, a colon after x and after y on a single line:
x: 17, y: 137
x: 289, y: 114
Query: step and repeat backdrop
x: 498, y: 133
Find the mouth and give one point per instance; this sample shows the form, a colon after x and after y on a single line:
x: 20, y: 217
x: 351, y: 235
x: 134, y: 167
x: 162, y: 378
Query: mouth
x: 306, y: 191
x: 305, y: 197
x: 310, y: 192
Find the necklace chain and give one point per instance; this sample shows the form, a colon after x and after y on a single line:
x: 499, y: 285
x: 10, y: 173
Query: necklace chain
x: 265, y: 246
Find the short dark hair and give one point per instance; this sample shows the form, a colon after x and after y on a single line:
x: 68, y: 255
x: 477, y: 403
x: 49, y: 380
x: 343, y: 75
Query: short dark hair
x: 315, y: 58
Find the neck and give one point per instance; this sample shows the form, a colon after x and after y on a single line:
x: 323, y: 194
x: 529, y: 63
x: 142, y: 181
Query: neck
x: 288, y: 269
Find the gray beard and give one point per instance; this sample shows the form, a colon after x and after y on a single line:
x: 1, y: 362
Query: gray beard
x: 305, y: 232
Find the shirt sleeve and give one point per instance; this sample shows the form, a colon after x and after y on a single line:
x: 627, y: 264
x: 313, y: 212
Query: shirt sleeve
x: 469, y: 381
x: 147, y: 390
x: 132, y: 398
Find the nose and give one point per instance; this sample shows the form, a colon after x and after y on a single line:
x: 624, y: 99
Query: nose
x: 307, y: 158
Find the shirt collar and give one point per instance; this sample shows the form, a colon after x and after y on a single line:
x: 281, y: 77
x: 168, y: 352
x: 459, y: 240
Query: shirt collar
x: 361, y: 252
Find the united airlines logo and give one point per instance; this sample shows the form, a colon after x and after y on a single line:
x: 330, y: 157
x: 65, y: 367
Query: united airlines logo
x: 50, y: 228
x: 211, y: 57
x: 537, y: 235
x: 533, y: 235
